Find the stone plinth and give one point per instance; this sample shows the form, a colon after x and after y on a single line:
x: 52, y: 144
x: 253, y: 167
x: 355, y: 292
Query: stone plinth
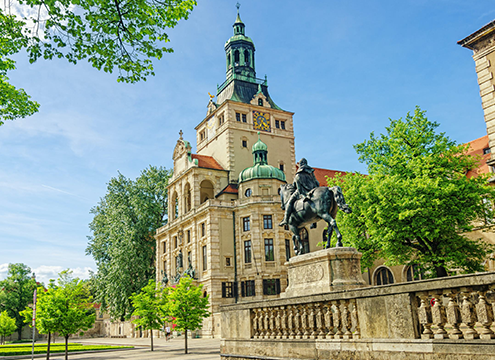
x: 324, y: 271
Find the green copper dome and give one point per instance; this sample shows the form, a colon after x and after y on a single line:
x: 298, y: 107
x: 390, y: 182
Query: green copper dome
x: 260, y: 168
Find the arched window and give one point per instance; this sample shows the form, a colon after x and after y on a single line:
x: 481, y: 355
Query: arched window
x: 175, y: 206
x: 228, y: 60
x: 246, y: 57
x: 305, y: 240
x: 236, y: 57
x: 413, y: 273
x: 187, y: 197
x: 260, y: 102
x: 383, y: 276
x: 206, y: 191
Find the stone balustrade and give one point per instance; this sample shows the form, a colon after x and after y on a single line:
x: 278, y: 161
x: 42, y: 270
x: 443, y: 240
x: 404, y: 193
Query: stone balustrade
x: 454, y: 314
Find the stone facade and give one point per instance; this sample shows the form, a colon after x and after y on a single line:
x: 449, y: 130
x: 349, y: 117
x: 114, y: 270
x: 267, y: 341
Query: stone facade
x: 482, y: 42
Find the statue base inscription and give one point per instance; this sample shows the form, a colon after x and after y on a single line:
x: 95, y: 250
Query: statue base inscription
x: 324, y: 271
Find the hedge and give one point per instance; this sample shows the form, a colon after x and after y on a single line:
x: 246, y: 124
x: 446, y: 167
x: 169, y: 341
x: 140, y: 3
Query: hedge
x: 57, y: 348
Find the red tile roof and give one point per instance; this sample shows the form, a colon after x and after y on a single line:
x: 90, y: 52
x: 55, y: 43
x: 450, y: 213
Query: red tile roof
x: 321, y: 175
x: 477, y: 147
x: 229, y: 189
x: 207, y: 162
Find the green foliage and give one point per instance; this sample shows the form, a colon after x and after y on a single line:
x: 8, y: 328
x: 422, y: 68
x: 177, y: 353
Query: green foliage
x: 187, y: 306
x: 14, y: 103
x: 7, y: 325
x: 417, y: 203
x: 122, y: 242
x: 65, y: 308
x: 16, y: 292
x: 122, y: 35
x: 55, y: 348
x: 149, y: 305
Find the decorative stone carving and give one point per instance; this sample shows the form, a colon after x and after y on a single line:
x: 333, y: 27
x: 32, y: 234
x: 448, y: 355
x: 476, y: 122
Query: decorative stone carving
x: 439, y: 317
x: 336, y: 320
x: 453, y: 315
x: 468, y: 316
x: 424, y: 315
x: 485, y: 316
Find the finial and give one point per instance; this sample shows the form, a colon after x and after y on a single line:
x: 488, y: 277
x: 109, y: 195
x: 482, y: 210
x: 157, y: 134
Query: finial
x: 238, y: 6
x: 180, y: 134
x: 259, y: 135
x: 211, y: 96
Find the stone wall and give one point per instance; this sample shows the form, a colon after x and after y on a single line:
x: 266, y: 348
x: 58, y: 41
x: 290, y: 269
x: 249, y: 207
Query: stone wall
x: 448, y: 318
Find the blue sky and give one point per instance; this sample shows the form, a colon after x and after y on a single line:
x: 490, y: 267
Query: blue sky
x: 343, y: 67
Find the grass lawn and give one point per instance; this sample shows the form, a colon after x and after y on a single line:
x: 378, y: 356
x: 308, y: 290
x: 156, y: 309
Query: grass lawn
x: 25, y: 349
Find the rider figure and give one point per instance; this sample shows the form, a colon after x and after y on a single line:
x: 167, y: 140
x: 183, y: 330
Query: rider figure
x: 304, y: 181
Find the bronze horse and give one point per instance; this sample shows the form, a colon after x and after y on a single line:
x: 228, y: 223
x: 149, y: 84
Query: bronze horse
x: 322, y: 203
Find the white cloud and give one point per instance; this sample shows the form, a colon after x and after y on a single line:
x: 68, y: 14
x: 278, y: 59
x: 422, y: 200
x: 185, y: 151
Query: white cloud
x: 46, y: 272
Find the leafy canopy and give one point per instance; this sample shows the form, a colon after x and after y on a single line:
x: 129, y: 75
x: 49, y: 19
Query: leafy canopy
x: 149, y: 307
x: 16, y: 292
x: 112, y: 35
x: 417, y: 204
x: 122, y: 241
x: 7, y: 325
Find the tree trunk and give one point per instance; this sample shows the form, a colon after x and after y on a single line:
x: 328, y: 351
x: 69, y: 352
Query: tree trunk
x: 48, y: 346
x: 151, y: 331
x: 185, y: 338
x: 441, y: 271
x: 19, y: 333
x: 67, y: 347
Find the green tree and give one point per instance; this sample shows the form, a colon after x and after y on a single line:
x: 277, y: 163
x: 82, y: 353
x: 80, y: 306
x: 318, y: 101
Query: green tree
x: 187, y: 306
x: 14, y: 103
x: 16, y: 292
x: 149, y: 305
x: 417, y: 204
x: 71, y: 305
x: 122, y: 35
x: 122, y: 241
x: 7, y: 326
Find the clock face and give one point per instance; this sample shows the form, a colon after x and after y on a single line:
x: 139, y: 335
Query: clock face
x: 261, y: 121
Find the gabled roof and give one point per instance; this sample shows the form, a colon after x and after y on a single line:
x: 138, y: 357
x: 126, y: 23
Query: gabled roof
x: 477, y: 147
x: 207, y: 162
x: 229, y: 189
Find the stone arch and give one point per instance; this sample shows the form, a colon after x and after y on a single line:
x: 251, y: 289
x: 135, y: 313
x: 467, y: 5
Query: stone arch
x: 206, y: 191
x: 383, y: 276
x: 187, y: 198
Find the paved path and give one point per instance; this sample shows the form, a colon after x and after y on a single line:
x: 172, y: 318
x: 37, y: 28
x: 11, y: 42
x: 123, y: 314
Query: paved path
x: 200, y: 349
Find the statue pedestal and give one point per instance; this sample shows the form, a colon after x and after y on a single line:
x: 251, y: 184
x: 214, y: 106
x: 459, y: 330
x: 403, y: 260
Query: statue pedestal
x: 324, y: 271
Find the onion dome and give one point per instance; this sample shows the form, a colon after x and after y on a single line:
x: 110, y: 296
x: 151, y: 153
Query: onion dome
x: 260, y: 168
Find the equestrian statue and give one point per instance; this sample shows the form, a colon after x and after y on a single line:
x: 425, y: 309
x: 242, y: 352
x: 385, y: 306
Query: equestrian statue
x: 305, y: 202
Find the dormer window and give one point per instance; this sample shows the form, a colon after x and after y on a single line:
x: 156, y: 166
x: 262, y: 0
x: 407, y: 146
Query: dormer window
x: 486, y: 151
x: 260, y: 102
x: 202, y: 135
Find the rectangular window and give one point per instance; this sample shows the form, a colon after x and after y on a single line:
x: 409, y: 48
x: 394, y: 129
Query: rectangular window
x: 205, y: 259
x: 228, y: 261
x: 203, y: 230
x: 281, y: 167
x: 164, y: 247
x: 287, y: 249
x: 188, y: 236
x: 244, y: 143
x: 227, y: 289
x: 277, y: 124
x: 271, y: 286
x: 244, y: 118
x: 202, y: 135
x: 247, y: 288
x: 269, y: 256
x: 246, y: 226
x: 247, y: 251
x: 238, y: 116
x: 282, y: 125
x: 175, y: 242
x: 188, y: 258
x: 267, y: 222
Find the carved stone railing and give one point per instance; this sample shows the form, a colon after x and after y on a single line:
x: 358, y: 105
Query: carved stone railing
x: 321, y: 320
x: 453, y: 315
x: 457, y: 313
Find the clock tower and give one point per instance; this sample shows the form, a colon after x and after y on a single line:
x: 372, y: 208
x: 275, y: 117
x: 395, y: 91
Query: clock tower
x: 242, y: 108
